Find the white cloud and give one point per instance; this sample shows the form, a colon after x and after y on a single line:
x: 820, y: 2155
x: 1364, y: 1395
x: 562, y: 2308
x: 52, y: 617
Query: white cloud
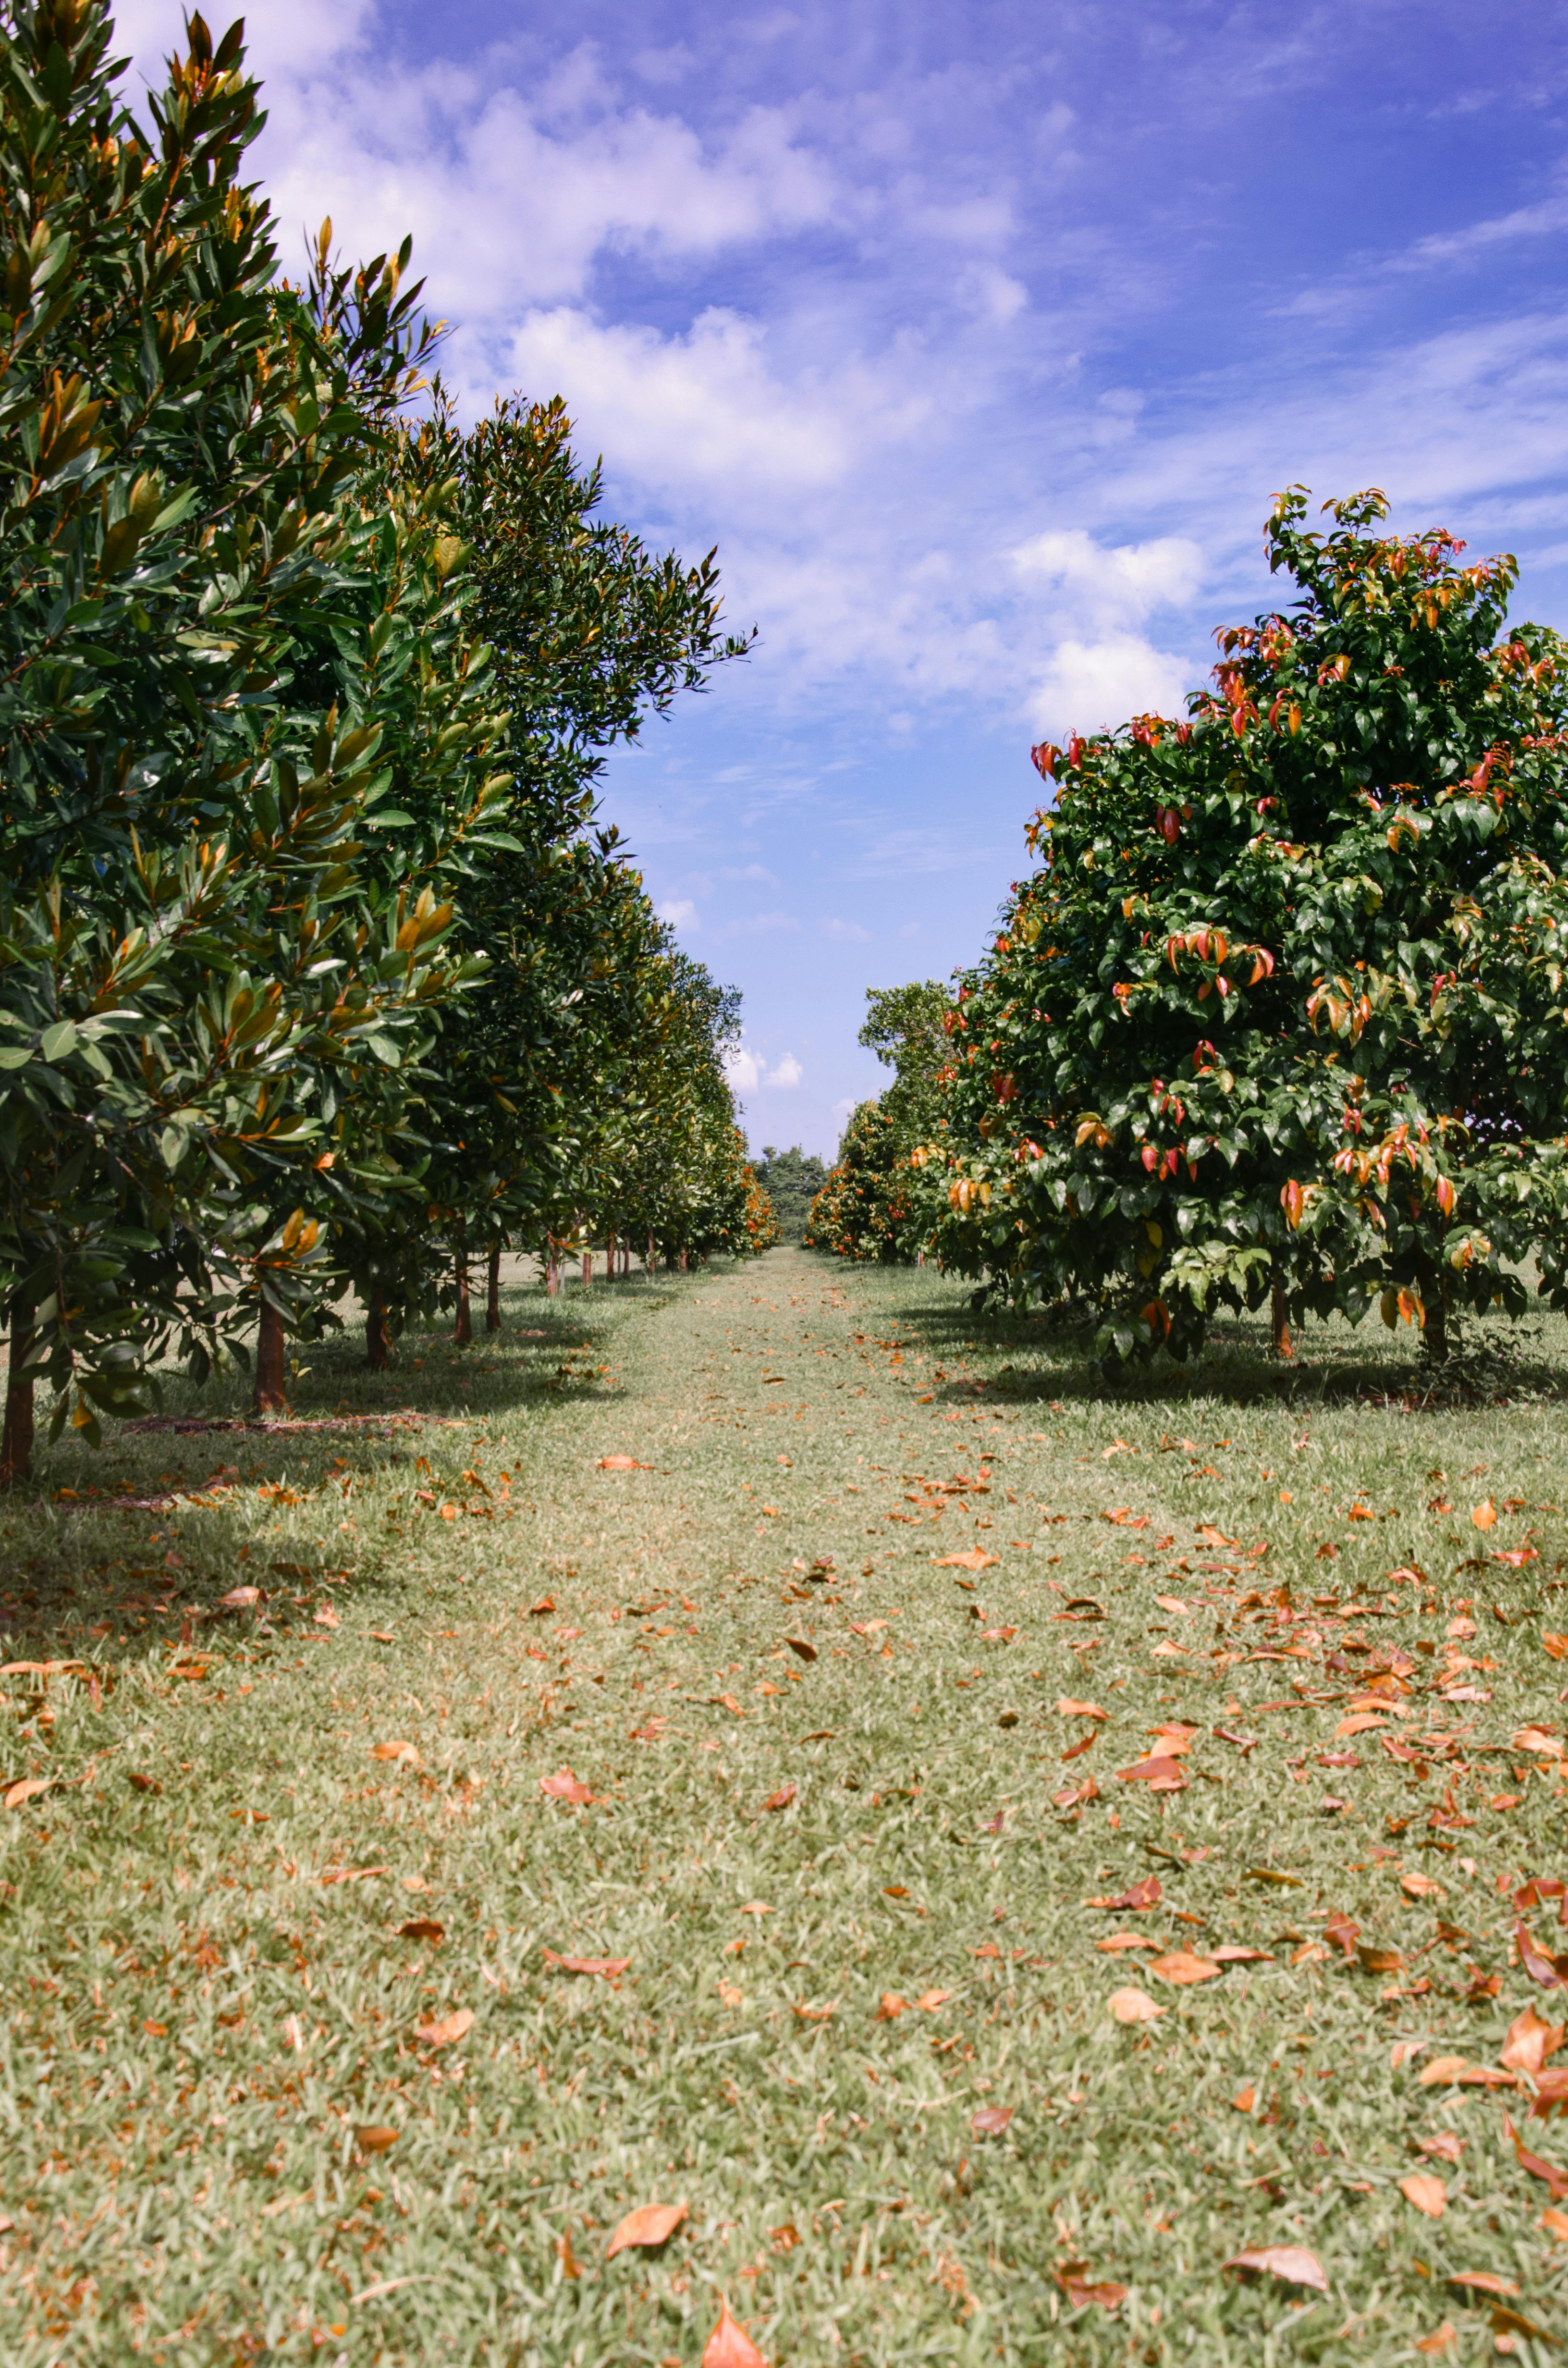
x: 787, y: 1072
x: 1093, y: 686
x: 742, y: 1069
x: 1122, y: 584
x: 679, y: 912
x: 846, y: 933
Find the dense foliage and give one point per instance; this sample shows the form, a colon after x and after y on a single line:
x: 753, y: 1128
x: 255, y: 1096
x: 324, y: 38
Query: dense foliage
x: 869, y: 1207
x: 310, y: 959
x: 792, y: 1179
x: 1283, y: 1011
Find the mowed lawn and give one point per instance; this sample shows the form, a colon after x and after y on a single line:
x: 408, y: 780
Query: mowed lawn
x: 783, y: 1643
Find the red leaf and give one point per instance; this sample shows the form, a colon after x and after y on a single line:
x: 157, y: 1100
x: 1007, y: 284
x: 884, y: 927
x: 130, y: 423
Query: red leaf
x: 730, y: 2346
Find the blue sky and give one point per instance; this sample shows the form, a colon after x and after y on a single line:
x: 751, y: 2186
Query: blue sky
x: 978, y: 339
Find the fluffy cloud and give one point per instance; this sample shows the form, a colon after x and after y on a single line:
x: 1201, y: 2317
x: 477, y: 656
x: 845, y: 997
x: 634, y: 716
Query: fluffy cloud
x: 679, y: 912
x: 1092, y: 686
x: 787, y: 1072
x: 846, y: 933
x: 748, y: 1072
x: 1122, y: 584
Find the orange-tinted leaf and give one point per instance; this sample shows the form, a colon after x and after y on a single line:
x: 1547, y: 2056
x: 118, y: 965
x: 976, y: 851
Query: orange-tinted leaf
x: 422, y: 1927
x: 650, y: 2226
x: 990, y: 2121
x: 1485, y: 2281
x: 801, y: 1647
x: 622, y: 1463
x: 782, y: 1798
x: 1161, y: 1773
x: 730, y: 2346
x: 403, y: 1751
x: 892, y: 2007
x: 570, y: 2267
x: 143, y: 1783
x: 446, y: 2029
x: 1425, y: 2191
x: 1537, y: 1964
x: 1484, y: 1515
x: 1439, y: 2339
x: 1114, y: 1942
x: 1530, y: 2041
x: 1245, y: 2098
x: 1534, y: 2163
x: 1181, y: 1966
x: 1556, y: 1645
x: 810, y: 2014
x: 1233, y: 1953
x: 28, y: 1790
x: 1339, y: 1930
x: 240, y: 1599
x: 564, y: 1786
x: 1141, y: 1894
x: 1379, y: 1961
x: 1070, y: 1709
x: 376, y: 2140
x: 1556, y: 2223
x: 1133, y: 2006
x: 1539, y: 1738
x: 1448, y: 2146
x: 929, y: 2000
x: 1420, y: 1886
x: 1074, y: 2281
x: 1291, y: 2263
x: 976, y: 1559
x: 609, y: 1968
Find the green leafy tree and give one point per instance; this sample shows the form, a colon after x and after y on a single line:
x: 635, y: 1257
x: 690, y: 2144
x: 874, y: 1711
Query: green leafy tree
x: 792, y: 1179
x: 1282, y: 1014
x: 866, y: 1208
x: 871, y: 1206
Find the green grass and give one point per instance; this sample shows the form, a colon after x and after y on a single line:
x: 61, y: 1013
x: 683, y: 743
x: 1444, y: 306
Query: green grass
x: 202, y: 2015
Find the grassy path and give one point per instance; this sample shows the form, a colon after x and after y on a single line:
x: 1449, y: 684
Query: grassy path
x: 297, y: 2066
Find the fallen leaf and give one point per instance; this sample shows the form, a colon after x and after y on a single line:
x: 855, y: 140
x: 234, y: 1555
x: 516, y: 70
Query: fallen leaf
x: 1268, y: 1874
x: 892, y: 2007
x: 1379, y: 1961
x: 1482, y: 2282
x: 376, y: 2140
x: 422, y: 1927
x: 801, y: 1647
x: 976, y: 1559
x: 446, y: 2029
x: 1448, y: 2146
x: 570, y: 2267
x: 650, y: 2226
x: 1403, y: 2051
x: 143, y: 1783
x: 1425, y: 2191
x: 805, y: 2013
x: 538, y: 1610
x: 1161, y: 1773
x: 1420, y: 1886
x: 1539, y: 1738
x: 403, y: 1751
x: 929, y: 2000
x: 1141, y: 1894
x: 1133, y: 2006
x: 1081, y: 2292
x: 1245, y: 2098
x: 564, y: 1786
x: 782, y: 1798
x: 1535, y: 2164
x: 730, y: 2346
x: 1292, y: 2263
x: 1537, y: 1964
x: 1556, y: 2223
x: 1233, y: 1953
x: 756, y: 1907
x: 1358, y: 1723
x: 1116, y: 1941
x: 609, y: 1969
x: 1484, y: 1515
x: 1439, y: 2339
x: 990, y: 2121
x: 1556, y: 1645
x: 1530, y: 2041
x: 28, y: 1790
x: 1181, y: 1968
x: 1070, y: 1709
x: 240, y: 1599
x: 622, y: 1463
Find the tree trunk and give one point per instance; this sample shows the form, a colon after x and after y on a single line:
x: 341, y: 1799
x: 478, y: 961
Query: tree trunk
x: 588, y: 1269
x: 653, y: 1258
x: 626, y: 1262
x: 683, y: 1262
x: 609, y: 1260
x: 1279, y: 1318
x: 16, y: 1446
x: 378, y: 1342
x: 551, y: 1272
x: 462, y: 1330
x: 270, y: 1395
x: 493, y: 1297
x: 1428, y: 1282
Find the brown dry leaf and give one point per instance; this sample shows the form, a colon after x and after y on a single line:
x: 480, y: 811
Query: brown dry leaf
x: 1425, y: 2191
x: 976, y: 1559
x: 1159, y: 1772
x: 1245, y: 2098
x: 1379, y: 1961
x: 990, y: 2121
x: 622, y: 1463
x: 1234, y: 1954
x: 28, y: 1790
x: 1080, y: 2291
x: 564, y: 1786
x: 1181, y: 1966
x: 1442, y: 2071
x: 1447, y: 2144
x: 782, y: 1798
x: 609, y: 1969
x: 1403, y: 2050
x: 1484, y: 1515
x: 805, y: 2013
x: 1420, y: 1886
x: 240, y: 1599
x: 650, y: 2226
x: 1439, y: 2339
x: 446, y: 2029
x: 143, y: 1783
x: 1358, y: 1723
x: 1133, y: 2006
x: 1539, y: 1738
x: 1070, y: 1709
x: 1484, y: 2281
x: 1141, y: 1895
x: 403, y: 1751
x: 730, y: 2346
x: 929, y: 2000
x: 1530, y: 2041
x: 376, y: 2139
x: 1556, y: 1645
x: 422, y: 1927
x: 892, y: 2007
x: 1538, y: 2166
x: 1292, y: 2263
x: 1556, y: 2223
x: 756, y: 1907
x: 1114, y: 1942
x: 801, y: 1647
x: 538, y: 1610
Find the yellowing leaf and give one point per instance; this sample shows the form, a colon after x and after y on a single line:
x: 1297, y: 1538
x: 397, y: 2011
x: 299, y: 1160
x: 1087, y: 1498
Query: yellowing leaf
x: 1070, y: 1709
x: 402, y: 1751
x: 650, y: 2226
x: 1181, y: 1968
x: 564, y: 1786
x: 1291, y: 2263
x: 1420, y: 1886
x: 446, y: 2029
x: 28, y: 1790
x: 1133, y: 2006
x: 1529, y: 2042
x: 1484, y: 1515
x: 976, y: 1559
x: 1426, y: 2191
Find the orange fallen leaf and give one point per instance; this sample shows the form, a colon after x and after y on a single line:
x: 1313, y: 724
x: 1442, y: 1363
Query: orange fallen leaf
x: 1114, y: 1942
x: 564, y: 1786
x: 609, y: 1969
x: 1080, y: 2291
x: 892, y: 2007
x: 422, y: 1927
x: 1556, y: 2223
x: 1233, y: 1953
x: 622, y: 1463
x: 1291, y: 2263
x: 1539, y: 1738
x: 1377, y: 1961
x: 1482, y: 2282
x: 1133, y: 2006
x: 782, y: 1798
x: 403, y: 1751
x: 1439, y: 2339
x: 976, y: 1559
x: 1484, y: 1515
x: 570, y: 2267
x: 1536, y: 2164
x: 929, y: 2000
x: 1141, y: 1895
x: 1245, y: 2098
x: 1161, y: 1773
x: 804, y: 2013
x: 1426, y: 2191
x: 1070, y: 1709
x: 28, y: 1790
x: 990, y: 2121
x: 1530, y: 2041
x: 1448, y: 2146
x: 1420, y: 1886
x: 650, y: 2226
x: 240, y: 1599
x: 1181, y: 1968
x: 801, y: 1647
x: 1403, y: 2050
x: 756, y: 1907
x: 1556, y: 1645
x: 446, y: 2029
x: 1358, y: 1723
x: 376, y: 2140
x: 730, y: 2346
x: 1442, y: 2071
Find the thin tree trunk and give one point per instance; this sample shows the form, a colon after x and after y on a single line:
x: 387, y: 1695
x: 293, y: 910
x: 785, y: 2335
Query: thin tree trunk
x: 652, y: 1262
x: 588, y: 1269
x: 551, y: 1270
x: 609, y: 1260
x: 462, y: 1330
x: 626, y: 1262
x: 378, y: 1342
x: 1279, y: 1318
x: 1429, y: 1281
x: 493, y: 1297
x: 270, y: 1395
x: 16, y: 1446
x: 683, y: 1262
